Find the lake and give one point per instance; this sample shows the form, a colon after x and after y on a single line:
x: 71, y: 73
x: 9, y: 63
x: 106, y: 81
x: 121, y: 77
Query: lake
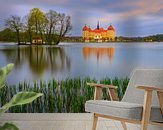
x: 70, y: 60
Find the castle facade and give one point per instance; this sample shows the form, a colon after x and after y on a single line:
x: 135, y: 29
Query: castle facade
x: 98, y: 34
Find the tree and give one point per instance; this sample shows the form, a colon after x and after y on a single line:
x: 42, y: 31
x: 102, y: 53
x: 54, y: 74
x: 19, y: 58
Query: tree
x: 52, y: 19
x: 53, y: 26
x: 7, y: 35
x: 36, y: 21
x: 28, y: 28
x: 15, y: 24
x: 63, y: 26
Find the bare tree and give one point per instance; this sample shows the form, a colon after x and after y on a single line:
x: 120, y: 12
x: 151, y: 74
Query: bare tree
x: 63, y: 26
x: 15, y: 24
x: 52, y: 18
x: 28, y: 29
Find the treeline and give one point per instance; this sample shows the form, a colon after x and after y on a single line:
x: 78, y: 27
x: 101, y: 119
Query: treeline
x: 7, y: 35
x: 50, y: 27
x: 153, y: 38
x: 72, y: 39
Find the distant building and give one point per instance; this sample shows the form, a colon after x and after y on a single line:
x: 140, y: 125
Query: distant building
x: 98, y: 34
x: 37, y: 40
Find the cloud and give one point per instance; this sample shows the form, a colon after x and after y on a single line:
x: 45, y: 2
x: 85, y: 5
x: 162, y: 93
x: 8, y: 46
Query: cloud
x: 158, y: 13
x: 128, y: 16
x: 144, y: 7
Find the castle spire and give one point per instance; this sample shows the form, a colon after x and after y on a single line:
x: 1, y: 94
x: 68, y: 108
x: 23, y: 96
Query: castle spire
x: 98, y: 26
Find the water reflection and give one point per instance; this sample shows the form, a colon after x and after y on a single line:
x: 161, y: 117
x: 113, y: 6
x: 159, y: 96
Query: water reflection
x: 79, y: 60
x: 39, y: 59
x: 98, y: 53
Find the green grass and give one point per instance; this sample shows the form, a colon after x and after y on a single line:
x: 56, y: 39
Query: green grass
x: 64, y: 96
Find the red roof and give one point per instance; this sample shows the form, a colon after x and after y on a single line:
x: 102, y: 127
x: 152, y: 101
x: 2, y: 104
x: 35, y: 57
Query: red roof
x: 85, y: 28
x: 89, y: 29
x: 99, y: 30
x: 111, y: 28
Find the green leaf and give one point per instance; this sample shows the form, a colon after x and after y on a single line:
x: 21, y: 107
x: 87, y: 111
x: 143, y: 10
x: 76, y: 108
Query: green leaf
x: 20, y: 99
x: 4, y: 72
x: 8, y: 126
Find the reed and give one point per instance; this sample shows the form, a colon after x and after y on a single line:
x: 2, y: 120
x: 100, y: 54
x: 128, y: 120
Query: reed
x: 63, y: 96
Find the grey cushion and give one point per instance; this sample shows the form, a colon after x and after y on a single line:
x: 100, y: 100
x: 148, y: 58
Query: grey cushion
x: 131, y: 111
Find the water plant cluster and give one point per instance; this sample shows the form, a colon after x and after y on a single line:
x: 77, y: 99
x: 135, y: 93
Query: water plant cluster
x: 63, y: 96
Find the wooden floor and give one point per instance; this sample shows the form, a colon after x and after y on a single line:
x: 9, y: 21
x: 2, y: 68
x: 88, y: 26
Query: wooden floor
x: 59, y: 121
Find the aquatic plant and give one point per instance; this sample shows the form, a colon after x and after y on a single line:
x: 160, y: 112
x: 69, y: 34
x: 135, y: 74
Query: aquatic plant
x: 65, y: 96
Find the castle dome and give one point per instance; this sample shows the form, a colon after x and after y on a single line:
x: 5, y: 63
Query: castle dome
x: 111, y: 28
x: 85, y: 28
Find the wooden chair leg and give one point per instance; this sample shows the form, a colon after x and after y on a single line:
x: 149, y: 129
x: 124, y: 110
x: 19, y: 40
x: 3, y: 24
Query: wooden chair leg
x: 160, y: 98
x: 94, y: 122
x: 146, y: 110
x: 124, y: 125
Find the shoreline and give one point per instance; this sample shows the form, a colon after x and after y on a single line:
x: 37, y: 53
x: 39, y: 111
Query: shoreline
x: 87, y: 43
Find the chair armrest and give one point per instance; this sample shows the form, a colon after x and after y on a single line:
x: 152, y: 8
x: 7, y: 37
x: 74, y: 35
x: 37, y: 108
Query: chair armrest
x: 150, y: 88
x: 159, y: 93
x: 102, y: 85
x: 98, y: 89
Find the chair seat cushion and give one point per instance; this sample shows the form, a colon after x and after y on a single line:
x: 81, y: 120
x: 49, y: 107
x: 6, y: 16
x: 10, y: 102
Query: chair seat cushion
x: 131, y: 111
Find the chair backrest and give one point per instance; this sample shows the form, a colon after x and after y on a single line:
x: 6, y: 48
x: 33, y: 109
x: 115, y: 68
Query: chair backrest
x: 147, y: 77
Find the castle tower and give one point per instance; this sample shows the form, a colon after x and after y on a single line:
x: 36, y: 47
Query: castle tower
x: 111, y: 33
x: 85, y: 33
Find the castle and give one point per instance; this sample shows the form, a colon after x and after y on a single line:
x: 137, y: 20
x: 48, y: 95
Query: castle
x: 98, y: 34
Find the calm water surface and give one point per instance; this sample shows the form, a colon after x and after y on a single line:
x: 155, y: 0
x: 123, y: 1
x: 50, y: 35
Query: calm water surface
x: 79, y: 60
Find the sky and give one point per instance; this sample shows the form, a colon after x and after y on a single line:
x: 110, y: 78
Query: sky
x: 128, y: 17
